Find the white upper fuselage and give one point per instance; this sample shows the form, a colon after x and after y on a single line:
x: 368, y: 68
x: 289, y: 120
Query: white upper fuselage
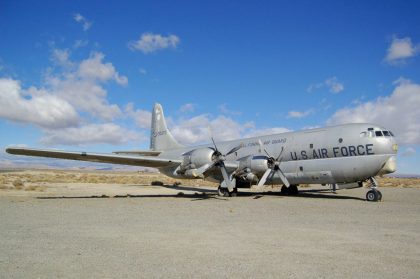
x: 337, y: 154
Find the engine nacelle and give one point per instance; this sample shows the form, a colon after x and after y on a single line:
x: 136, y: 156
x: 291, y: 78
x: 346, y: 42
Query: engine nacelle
x: 193, y: 160
x: 254, y: 164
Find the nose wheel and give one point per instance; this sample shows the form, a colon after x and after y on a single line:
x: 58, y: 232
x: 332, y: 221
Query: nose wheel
x: 373, y: 194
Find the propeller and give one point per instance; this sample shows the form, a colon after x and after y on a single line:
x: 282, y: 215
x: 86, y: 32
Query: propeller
x: 273, y: 167
x: 218, y: 160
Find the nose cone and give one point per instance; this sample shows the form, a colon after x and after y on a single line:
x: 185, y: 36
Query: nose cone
x: 390, y: 166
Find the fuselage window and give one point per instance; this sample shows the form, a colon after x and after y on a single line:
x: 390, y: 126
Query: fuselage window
x: 378, y: 133
x: 386, y: 133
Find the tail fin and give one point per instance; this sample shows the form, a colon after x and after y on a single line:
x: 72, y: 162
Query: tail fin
x: 160, y: 137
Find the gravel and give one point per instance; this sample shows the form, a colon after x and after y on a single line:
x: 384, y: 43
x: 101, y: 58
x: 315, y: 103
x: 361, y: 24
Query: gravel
x: 195, y: 235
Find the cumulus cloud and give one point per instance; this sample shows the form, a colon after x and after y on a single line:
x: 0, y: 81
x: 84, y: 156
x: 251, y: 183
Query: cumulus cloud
x: 400, y: 50
x: 399, y: 112
x: 149, y: 42
x: 332, y: 83
x: 142, y: 118
x: 187, y: 108
x: 42, y: 109
x: 225, y: 110
x: 83, y: 21
x: 91, y: 133
x: 81, y: 84
x: 201, y: 128
x: 299, y: 114
x: 72, y: 93
x: 94, y: 68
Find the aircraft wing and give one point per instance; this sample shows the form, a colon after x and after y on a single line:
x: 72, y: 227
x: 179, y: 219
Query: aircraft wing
x: 122, y: 159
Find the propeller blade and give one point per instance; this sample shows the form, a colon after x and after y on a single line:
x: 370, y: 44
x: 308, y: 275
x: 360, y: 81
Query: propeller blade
x: 264, y: 178
x: 281, y: 152
x: 233, y: 150
x: 214, y: 143
x: 226, y: 177
x: 283, y: 178
x: 201, y: 170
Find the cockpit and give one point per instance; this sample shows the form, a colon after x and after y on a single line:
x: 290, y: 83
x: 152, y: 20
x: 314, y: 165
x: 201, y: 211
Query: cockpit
x: 376, y: 132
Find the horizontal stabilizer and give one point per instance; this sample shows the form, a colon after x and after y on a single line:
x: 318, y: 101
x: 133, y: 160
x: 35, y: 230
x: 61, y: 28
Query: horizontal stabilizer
x: 139, y: 152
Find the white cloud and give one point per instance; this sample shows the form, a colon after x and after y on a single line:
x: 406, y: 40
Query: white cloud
x: 332, y: 83
x: 149, y: 42
x: 42, y: 109
x: 187, y: 108
x: 224, y: 109
x: 91, y: 133
x: 199, y: 129
x: 83, y: 21
x: 400, y: 50
x: 142, y: 71
x: 299, y: 114
x: 80, y: 43
x: 72, y: 93
x: 399, y: 112
x: 196, y: 129
x: 80, y: 84
x: 142, y: 118
x: 94, y: 68
x: 408, y: 152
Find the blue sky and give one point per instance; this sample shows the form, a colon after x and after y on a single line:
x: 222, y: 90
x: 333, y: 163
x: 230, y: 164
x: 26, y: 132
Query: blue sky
x: 84, y: 75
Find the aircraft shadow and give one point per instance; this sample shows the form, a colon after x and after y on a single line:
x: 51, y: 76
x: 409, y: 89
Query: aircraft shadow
x: 204, y: 194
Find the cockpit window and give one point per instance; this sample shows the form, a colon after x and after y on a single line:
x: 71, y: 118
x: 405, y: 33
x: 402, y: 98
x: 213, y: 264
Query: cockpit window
x: 386, y: 133
x: 391, y: 134
x: 378, y: 133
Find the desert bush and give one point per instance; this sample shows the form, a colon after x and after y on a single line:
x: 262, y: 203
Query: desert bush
x: 18, y: 184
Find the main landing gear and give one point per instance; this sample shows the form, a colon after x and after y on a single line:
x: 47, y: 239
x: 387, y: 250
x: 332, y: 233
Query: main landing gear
x: 224, y: 192
x: 291, y: 190
x: 373, y: 194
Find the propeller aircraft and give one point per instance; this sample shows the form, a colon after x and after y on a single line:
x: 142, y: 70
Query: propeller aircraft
x: 342, y: 156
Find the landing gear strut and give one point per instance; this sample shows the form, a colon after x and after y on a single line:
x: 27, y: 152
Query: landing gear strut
x: 373, y: 194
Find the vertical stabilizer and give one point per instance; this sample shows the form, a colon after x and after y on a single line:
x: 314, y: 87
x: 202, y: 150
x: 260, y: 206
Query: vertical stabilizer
x: 160, y: 137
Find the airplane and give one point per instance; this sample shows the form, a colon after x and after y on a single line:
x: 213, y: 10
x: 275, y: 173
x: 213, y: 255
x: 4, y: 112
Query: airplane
x: 342, y: 156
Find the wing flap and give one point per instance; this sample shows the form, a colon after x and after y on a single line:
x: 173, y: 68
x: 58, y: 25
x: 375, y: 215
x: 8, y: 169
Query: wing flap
x: 144, y: 161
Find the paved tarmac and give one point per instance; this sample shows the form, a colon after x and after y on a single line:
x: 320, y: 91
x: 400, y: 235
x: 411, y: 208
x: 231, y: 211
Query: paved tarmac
x: 155, y: 235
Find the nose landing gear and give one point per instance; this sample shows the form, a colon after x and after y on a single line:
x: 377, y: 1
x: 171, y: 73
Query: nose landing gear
x: 373, y: 194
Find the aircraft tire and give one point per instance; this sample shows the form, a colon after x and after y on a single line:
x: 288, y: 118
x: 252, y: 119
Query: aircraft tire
x: 224, y: 192
x: 284, y: 190
x: 293, y: 190
x: 379, y: 195
x: 372, y: 195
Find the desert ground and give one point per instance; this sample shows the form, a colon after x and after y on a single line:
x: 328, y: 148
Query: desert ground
x: 90, y: 224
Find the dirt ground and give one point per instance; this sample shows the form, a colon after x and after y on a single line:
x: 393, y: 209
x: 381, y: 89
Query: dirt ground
x: 72, y: 224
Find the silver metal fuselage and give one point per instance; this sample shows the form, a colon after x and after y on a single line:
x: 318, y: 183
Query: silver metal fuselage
x: 338, y: 154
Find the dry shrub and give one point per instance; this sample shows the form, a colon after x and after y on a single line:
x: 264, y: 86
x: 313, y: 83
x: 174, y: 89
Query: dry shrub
x: 35, y: 188
x: 18, y: 184
x: 4, y: 187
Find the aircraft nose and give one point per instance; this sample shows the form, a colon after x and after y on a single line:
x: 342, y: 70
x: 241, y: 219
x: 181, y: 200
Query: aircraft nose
x: 390, y: 166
